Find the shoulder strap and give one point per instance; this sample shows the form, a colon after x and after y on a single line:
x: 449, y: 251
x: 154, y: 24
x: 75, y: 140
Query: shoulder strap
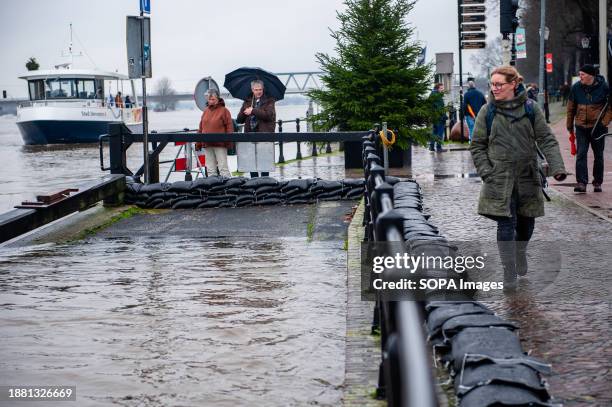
x: 529, y: 112
x: 492, y: 110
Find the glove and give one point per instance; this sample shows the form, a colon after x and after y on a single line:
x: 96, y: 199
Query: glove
x: 572, y: 139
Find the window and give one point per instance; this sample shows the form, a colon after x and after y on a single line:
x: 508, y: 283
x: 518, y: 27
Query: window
x: 64, y: 88
x: 37, y: 89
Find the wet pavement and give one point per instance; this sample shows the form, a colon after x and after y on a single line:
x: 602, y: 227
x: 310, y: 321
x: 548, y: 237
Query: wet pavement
x: 568, y: 323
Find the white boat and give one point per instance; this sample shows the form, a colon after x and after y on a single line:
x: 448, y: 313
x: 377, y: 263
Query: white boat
x: 71, y: 106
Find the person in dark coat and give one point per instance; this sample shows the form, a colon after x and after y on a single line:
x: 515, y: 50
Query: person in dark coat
x: 473, y: 101
x: 258, y: 114
x: 438, y: 127
x: 506, y: 159
x: 585, y: 105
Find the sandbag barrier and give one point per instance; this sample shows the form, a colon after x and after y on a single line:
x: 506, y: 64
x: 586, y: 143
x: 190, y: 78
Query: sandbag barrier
x: 481, y: 350
x: 222, y: 192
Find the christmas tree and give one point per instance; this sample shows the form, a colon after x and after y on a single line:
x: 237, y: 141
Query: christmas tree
x: 375, y: 76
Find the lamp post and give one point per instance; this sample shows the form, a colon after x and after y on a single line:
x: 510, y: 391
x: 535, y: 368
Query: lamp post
x: 545, y: 88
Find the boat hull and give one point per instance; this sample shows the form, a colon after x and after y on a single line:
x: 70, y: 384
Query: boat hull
x: 62, y: 132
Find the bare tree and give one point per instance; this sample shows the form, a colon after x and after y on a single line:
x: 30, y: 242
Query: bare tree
x: 486, y: 59
x: 165, y: 91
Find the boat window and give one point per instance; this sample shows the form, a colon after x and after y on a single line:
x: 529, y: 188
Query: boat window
x: 37, y: 89
x: 65, y: 88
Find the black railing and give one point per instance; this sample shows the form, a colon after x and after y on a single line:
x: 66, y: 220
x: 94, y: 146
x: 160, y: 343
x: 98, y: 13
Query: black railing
x: 120, y: 138
x: 405, y: 376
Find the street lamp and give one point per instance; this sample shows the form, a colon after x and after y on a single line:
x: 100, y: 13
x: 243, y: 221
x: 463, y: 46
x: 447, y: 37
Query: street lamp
x: 545, y: 90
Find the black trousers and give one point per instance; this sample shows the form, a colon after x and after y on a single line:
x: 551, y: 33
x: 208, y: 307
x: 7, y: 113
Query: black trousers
x: 583, y: 141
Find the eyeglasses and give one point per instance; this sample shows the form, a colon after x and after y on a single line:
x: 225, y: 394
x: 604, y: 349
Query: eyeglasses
x: 499, y: 85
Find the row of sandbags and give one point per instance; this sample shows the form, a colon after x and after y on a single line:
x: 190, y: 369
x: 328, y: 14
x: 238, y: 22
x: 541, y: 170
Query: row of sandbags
x: 481, y: 350
x: 220, y: 192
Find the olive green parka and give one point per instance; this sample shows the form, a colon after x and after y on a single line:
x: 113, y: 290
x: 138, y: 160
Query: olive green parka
x: 507, y: 160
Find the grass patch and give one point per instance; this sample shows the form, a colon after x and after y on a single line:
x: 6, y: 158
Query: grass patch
x: 311, y: 223
x: 238, y: 173
x: 345, y: 247
x: 128, y: 213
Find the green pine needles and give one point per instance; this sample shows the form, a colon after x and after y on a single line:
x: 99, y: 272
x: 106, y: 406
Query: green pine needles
x: 375, y: 76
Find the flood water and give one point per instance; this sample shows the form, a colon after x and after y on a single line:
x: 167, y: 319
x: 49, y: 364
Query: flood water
x: 27, y: 171
x: 174, y: 321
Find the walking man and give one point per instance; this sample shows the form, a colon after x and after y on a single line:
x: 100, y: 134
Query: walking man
x: 473, y: 101
x: 588, y: 112
x: 438, y: 127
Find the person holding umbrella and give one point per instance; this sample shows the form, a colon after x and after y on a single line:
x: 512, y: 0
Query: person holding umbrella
x: 258, y: 114
x: 260, y: 90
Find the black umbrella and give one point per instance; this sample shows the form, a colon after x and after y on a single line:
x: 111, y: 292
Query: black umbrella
x: 238, y: 83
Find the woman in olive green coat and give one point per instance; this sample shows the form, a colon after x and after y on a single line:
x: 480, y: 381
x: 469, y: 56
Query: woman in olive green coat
x: 506, y: 159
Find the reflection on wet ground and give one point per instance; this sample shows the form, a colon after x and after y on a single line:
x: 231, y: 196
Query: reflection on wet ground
x: 177, y: 321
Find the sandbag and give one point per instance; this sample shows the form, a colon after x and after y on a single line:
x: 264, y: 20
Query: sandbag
x: 493, y: 373
x: 181, y: 186
x: 163, y: 205
x: 456, y: 324
x: 271, y: 195
x: 302, y: 185
x: 497, y: 343
x: 209, y: 182
x: 266, y: 189
x: 151, y: 203
x: 501, y: 395
x: 334, y: 195
x: 255, y: 183
x: 438, y: 316
x: 157, y: 187
x: 187, y: 204
x: 352, y: 183
x: 326, y: 186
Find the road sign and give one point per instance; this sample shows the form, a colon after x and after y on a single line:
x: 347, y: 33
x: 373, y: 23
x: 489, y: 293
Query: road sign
x: 473, y: 18
x: 473, y: 27
x: 473, y: 36
x: 473, y: 45
x: 466, y: 2
x: 136, y: 49
x: 473, y: 9
x: 549, y: 63
x: 145, y: 6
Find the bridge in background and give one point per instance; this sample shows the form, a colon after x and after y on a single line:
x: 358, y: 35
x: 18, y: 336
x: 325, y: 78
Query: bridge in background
x: 297, y: 83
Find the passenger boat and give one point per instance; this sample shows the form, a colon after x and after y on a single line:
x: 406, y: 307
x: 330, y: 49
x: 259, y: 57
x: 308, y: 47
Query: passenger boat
x: 73, y: 106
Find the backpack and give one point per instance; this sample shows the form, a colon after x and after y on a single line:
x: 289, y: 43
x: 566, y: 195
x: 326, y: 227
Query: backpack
x: 530, y: 113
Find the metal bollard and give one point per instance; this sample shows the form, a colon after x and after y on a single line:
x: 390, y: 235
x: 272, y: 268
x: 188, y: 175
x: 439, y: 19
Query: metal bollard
x: 298, y: 155
x: 281, y: 156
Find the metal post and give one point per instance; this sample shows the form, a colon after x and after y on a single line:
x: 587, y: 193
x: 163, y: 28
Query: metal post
x: 460, y: 70
x: 298, y: 156
x: 385, y: 149
x: 281, y: 156
x: 188, y: 161
x: 145, y: 116
x: 603, y: 38
x: 542, y: 55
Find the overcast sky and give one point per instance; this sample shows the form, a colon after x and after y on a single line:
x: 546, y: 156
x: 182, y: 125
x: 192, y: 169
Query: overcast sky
x: 193, y: 38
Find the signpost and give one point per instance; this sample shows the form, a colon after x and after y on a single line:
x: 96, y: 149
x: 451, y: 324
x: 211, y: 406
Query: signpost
x: 472, y: 35
x: 549, y: 63
x: 138, y: 34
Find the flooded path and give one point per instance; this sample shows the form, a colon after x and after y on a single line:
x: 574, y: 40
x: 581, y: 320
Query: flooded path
x: 169, y: 319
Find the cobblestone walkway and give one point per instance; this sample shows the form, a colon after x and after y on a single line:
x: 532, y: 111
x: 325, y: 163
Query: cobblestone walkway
x: 570, y: 325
